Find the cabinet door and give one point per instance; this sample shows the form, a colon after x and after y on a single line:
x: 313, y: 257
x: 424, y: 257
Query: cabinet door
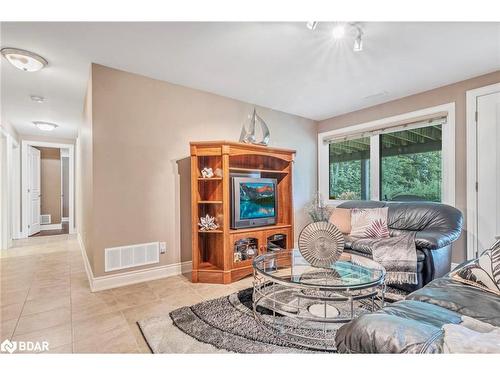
x: 244, y: 247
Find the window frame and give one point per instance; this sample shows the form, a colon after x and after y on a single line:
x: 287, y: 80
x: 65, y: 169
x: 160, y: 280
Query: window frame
x: 448, y: 151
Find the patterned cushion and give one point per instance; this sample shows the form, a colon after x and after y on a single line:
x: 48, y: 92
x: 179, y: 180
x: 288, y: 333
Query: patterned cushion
x: 483, y: 273
x: 369, y: 222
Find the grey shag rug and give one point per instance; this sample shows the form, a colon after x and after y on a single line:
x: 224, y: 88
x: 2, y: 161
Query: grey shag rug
x: 227, y: 323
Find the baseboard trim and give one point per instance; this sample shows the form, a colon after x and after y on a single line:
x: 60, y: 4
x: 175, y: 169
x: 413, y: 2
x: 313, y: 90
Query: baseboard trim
x: 50, y: 226
x: 131, y: 277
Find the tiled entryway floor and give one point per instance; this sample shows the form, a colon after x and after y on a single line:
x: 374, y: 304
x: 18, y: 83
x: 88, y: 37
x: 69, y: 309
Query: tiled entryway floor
x: 45, y: 296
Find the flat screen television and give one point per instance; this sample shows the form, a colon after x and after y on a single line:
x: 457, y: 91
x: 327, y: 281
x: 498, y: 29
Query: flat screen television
x: 253, y: 202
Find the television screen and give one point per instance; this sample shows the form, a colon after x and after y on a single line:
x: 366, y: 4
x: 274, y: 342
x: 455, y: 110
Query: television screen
x: 257, y: 200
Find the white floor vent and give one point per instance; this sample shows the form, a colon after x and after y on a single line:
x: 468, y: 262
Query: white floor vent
x: 117, y: 258
x: 45, y: 219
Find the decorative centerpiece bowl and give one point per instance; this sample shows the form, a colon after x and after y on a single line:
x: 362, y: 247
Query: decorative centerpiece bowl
x: 321, y: 244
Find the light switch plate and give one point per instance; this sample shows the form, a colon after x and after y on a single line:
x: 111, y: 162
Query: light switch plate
x: 163, y: 247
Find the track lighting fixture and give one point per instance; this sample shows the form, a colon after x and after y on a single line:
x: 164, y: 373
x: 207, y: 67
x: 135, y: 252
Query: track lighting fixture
x: 311, y: 25
x: 338, y: 31
x: 358, y: 41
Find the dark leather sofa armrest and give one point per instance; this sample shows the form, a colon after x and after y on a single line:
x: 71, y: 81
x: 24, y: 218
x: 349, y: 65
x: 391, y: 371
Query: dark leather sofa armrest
x: 435, y: 239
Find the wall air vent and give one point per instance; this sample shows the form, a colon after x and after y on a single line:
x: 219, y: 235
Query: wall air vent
x: 45, y: 219
x: 117, y: 258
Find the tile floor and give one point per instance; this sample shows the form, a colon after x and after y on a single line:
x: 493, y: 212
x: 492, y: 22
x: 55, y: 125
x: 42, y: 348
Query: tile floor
x: 44, y: 295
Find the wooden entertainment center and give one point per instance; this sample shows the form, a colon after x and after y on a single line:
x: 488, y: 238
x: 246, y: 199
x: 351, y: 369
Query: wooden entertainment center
x: 225, y: 255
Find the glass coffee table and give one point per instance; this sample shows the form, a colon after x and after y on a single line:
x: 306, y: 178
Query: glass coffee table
x: 305, y: 305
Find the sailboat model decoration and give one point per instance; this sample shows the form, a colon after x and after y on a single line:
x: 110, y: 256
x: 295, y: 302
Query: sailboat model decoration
x: 248, y: 135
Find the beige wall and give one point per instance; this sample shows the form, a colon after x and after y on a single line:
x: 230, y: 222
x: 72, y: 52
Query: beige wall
x: 140, y: 130
x: 50, y: 182
x: 451, y: 93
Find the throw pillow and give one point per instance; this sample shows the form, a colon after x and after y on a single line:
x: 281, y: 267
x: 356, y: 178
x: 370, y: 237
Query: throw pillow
x: 369, y: 222
x: 483, y: 273
x: 341, y: 218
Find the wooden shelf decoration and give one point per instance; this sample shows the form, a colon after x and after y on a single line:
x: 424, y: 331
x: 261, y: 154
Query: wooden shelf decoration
x: 214, y: 257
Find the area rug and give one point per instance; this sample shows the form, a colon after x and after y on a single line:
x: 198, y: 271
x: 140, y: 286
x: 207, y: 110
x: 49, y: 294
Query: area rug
x: 228, y: 323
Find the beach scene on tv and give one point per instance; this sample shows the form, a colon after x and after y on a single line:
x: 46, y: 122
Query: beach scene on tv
x: 257, y: 200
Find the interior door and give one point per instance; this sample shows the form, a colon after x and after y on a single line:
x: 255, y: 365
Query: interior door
x: 34, y: 190
x: 488, y: 170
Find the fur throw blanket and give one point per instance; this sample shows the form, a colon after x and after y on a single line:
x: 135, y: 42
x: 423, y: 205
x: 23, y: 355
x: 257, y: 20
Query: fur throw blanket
x: 398, y: 255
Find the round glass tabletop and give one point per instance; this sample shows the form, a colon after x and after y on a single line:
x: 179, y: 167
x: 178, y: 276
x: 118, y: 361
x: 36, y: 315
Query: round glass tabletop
x: 342, y: 275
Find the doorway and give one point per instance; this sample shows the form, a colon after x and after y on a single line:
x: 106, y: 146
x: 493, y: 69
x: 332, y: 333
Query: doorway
x: 483, y: 169
x: 47, y: 189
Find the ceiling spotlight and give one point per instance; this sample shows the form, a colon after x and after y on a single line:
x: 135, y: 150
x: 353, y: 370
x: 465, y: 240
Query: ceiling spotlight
x: 45, y: 126
x: 24, y: 60
x: 338, y: 31
x: 38, y: 99
x: 311, y: 25
x: 358, y: 42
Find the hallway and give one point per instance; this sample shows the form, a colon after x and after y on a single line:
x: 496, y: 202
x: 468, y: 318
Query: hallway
x: 45, y: 295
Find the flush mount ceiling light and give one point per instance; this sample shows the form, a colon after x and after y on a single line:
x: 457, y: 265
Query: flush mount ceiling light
x: 338, y: 31
x: 311, y: 25
x: 24, y: 60
x: 45, y: 126
x: 37, y: 98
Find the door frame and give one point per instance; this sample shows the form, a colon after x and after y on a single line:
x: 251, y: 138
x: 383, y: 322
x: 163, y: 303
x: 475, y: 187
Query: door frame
x: 24, y: 181
x: 471, y: 152
x: 10, y: 188
x: 66, y: 155
x: 34, y: 162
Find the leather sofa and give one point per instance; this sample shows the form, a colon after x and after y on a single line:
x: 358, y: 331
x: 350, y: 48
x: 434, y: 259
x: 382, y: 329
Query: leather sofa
x: 436, y: 225
x: 414, y: 325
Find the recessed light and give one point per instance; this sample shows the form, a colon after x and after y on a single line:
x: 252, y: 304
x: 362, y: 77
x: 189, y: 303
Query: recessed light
x: 37, y: 98
x: 24, y: 60
x: 45, y: 126
x: 311, y: 25
x: 338, y: 31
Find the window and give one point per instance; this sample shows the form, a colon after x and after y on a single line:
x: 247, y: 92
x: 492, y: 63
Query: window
x: 349, y: 169
x: 405, y: 157
x: 411, y: 165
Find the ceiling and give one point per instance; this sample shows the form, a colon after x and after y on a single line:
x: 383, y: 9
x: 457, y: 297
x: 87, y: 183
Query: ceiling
x: 283, y: 66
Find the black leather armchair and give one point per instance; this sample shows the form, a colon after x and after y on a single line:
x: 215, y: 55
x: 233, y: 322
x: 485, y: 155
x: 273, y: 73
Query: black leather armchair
x: 436, y: 225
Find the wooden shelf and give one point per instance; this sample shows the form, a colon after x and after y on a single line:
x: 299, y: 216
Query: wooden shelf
x: 235, y: 169
x: 210, y: 179
x: 213, y: 251
x: 206, y: 266
x: 243, y: 263
x: 255, y: 229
